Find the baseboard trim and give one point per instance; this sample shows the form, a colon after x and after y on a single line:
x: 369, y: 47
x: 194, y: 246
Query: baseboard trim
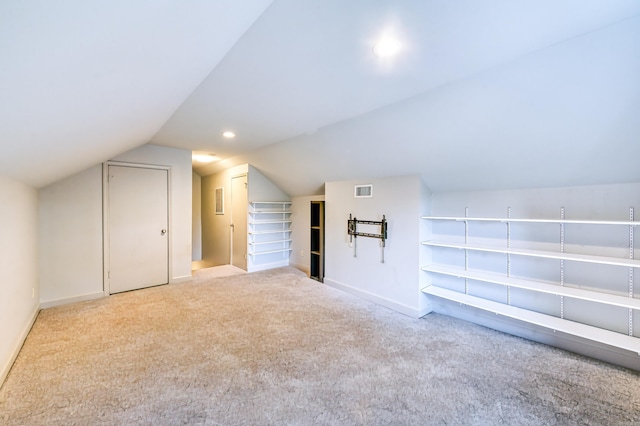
x: 68, y: 300
x: 391, y: 304
x: 18, y: 346
x: 539, y: 334
x: 177, y: 280
x: 265, y: 266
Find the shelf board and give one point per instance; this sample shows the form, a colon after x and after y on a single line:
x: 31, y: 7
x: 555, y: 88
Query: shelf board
x: 270, y: 231
x: 266, y: 222
x: 558, y: 221
x: 270, y: 202
x: 557, y: 324
x: 270, y: 242
x: 270, y: 212
x: 577, y: 293
x: 258, y: 253
x: 603, y: 260
x: 317, y: 253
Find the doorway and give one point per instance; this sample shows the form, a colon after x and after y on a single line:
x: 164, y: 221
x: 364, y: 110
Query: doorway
x: 239, y: 201
x: 137, y: 218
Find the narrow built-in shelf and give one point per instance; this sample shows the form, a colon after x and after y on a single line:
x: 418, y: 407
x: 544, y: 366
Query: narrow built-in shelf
x: 558, y: 221
x: 577, y: 293
x: 577, y: 329
x: 272, y: 220
x: 603, y: 260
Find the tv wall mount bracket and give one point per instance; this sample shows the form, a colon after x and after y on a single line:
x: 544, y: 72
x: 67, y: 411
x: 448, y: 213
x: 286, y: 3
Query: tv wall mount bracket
x: 352, y: 230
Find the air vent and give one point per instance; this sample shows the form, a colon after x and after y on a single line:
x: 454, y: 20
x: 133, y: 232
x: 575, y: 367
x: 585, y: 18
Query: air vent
x: 363, y: 191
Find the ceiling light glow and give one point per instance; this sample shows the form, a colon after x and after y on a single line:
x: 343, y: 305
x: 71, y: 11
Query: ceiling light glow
x: 228, y: 134
x: 204, y: 158
x: 387, y: 46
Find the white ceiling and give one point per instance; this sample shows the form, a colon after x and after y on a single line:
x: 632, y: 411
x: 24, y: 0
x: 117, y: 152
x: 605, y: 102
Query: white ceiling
x: 484, y: 95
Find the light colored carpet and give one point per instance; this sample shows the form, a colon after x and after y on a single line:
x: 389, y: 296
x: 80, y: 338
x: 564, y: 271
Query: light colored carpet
x: 275, y: 347
x: 204, y: 274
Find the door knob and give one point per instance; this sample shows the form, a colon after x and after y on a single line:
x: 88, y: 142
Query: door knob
x: 162, y: 232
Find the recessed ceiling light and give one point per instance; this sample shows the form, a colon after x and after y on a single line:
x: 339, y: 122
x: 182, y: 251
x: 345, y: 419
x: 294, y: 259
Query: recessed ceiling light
x: 387, y: 46
x: 204, y: 158
x: 228, y: 134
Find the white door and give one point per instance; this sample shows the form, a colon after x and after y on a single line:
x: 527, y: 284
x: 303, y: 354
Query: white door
x: 239, y: 201
x: 138, y: 231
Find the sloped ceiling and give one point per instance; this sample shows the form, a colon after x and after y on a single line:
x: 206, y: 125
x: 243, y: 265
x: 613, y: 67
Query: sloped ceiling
x: 84, y: 80
x: 483, y: 95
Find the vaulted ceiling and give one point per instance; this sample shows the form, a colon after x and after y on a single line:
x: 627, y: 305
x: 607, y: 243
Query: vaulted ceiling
x: 482, y: 95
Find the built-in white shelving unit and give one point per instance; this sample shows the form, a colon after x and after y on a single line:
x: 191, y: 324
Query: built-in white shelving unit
x: 488, y: 280
x: 269, y: 234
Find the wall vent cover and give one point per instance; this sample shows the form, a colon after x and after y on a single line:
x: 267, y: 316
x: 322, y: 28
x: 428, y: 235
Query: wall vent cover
x: 363, y: 191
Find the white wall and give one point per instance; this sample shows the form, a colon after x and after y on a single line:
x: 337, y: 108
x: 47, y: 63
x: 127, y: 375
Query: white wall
x: 70, y: 239
x: 196, y: 217
x: 602, y: 202
x: 18, y: 260
x: 181, y: 192
x: 395, y: 283
x: 261, y: 188
x: 301, y: 231
x: 215, y: 227
x: 71, y: 236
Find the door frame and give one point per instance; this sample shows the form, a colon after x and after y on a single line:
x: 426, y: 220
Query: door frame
x: 106, y: 229
x: 232, y: 231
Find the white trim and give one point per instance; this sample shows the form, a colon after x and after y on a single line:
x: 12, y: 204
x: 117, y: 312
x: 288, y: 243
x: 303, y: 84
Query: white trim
x: 184, y: 278
x: 398, y: 307
x: 69, y: 300
x: 4, y: 372
x: 265, y: 266
x: 105, y: 219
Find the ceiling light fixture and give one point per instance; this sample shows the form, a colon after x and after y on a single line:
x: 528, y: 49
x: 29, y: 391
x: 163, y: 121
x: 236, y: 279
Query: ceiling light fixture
x: 387, y: 46
x: 204, y: 158
x: 228, y: 134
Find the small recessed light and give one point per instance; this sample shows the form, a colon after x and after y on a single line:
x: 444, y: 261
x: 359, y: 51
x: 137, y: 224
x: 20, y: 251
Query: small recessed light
x: 387, y: 46
x: 204, y: 158
x: 228, y: 134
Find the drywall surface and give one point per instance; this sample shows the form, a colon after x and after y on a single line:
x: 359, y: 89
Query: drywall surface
x: 262, y: 189
x: 394, y: 283
x: 181, y: 192
x: 215, y: 227
x: 18, y: 260
x: 70, y: 238
x: 424, y: 255
x: 301, y: 231
x: 196, y: 217
x: 601, y: 202
x: 71, y: 235
x: 216, y: 232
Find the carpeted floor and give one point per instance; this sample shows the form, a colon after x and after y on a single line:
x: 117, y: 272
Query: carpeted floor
x: 274, y: 347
